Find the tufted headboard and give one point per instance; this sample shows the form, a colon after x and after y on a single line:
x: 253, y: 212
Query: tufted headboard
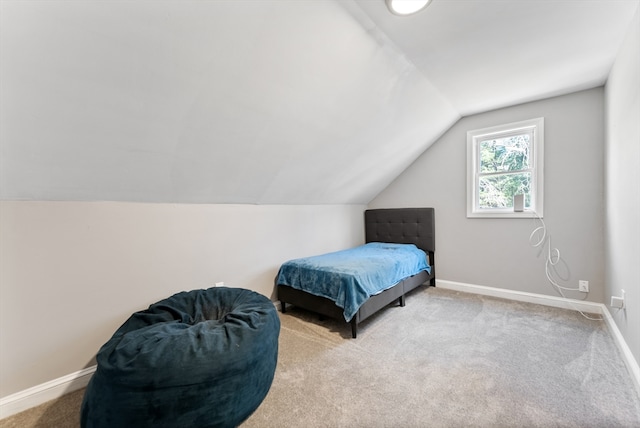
x: 402, y: 226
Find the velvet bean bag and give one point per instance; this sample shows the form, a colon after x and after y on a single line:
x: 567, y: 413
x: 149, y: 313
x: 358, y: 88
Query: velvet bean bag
x: 203, y: 358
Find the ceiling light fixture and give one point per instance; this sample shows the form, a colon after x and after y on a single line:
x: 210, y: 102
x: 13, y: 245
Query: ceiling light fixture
x: 406, y: 7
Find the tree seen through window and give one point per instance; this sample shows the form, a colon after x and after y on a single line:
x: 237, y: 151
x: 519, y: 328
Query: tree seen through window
x: 505, y: 171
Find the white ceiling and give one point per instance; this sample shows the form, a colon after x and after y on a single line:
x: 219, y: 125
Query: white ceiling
x: 486, y: 54
x: 268, y: 101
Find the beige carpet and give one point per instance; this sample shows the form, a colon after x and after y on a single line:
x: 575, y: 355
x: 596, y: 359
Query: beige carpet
x: 447, y: 359
x: 61, y: 413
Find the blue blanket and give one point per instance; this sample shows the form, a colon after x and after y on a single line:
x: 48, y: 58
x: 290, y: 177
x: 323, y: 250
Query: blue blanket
x: 350, y: 277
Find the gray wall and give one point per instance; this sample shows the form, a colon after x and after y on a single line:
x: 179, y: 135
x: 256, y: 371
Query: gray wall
x: 72, y: 272
x: 622, y: 179
x: 497, y: 252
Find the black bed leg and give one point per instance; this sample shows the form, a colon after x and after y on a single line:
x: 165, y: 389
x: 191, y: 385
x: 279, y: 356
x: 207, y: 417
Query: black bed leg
x: 401, y: 300
x: 354, y: 329
x: 283, y: 307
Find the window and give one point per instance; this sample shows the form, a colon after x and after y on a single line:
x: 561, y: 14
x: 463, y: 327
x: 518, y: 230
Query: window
x: 504, y: 161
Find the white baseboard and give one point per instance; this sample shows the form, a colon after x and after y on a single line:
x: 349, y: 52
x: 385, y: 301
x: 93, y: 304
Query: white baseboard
x: 44, y: 392
x: 630, y: 361
x: 521, y: 296
x: 556, y: 302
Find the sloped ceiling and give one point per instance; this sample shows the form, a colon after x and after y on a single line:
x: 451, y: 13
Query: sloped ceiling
x: 268, y: 101
x: 486, y: 54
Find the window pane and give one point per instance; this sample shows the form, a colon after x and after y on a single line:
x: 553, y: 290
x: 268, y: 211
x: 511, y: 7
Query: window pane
x: 497, y: 191
x: 505, y: 154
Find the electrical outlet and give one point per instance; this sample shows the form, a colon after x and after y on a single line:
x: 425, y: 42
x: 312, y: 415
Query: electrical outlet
x: 583, y: 285
x: 618, y: 302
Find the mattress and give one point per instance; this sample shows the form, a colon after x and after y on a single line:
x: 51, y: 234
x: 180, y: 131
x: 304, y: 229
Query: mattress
x: 350, y: 277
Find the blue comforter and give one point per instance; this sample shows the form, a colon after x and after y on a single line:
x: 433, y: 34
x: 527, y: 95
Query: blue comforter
x: 350, y: 277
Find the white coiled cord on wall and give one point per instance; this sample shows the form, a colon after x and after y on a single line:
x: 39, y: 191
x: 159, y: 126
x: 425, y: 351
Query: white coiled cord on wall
x: 552, y: 259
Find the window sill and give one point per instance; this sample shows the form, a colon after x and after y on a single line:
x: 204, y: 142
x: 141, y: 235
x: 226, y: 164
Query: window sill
x: 504, y: 214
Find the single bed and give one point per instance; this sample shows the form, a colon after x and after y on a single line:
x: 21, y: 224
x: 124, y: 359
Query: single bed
x: 391, y: 226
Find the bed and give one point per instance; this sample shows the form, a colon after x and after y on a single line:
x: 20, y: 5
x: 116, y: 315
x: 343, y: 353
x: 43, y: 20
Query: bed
x: 412, y: 227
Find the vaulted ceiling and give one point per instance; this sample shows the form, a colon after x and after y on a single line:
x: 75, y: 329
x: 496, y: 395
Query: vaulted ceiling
x: 269, y: 101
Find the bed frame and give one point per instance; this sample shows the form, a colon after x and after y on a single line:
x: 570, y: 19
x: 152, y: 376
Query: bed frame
x: 394, y: 225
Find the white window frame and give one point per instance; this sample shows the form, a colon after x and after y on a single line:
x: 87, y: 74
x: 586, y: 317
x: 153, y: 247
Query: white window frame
x: 536, y: 127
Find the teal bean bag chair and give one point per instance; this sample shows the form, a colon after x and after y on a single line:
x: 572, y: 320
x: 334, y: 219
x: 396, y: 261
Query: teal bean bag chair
x: 203, y: 358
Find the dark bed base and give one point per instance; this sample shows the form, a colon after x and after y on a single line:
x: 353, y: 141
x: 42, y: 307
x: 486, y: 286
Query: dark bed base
x: 327, y: 307
x: 399, y: 225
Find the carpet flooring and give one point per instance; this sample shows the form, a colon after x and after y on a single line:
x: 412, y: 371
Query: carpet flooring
x: 446, y: 359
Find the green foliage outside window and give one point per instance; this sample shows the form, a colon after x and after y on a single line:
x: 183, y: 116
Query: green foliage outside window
x: 505, y: 171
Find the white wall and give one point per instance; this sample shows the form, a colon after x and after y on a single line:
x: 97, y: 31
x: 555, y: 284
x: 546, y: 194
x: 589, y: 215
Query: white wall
x: 622, y: 179
x: 497, y: 252
x: 72, y: 272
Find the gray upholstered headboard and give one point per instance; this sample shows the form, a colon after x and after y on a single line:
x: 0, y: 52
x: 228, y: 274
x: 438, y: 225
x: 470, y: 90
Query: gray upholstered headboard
x: 402, y: 226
